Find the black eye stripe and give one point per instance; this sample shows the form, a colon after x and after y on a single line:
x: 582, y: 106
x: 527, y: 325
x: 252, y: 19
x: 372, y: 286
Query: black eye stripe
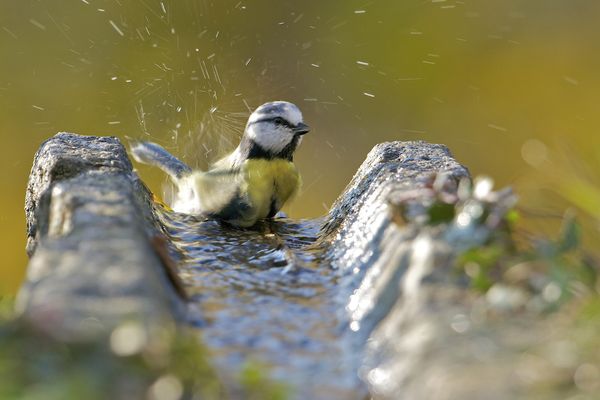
x: 277, y: 120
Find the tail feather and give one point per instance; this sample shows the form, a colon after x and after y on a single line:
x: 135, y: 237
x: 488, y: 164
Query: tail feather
x: 154, y: 154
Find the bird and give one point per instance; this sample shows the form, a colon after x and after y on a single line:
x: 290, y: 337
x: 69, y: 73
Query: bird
x: 250, y: 184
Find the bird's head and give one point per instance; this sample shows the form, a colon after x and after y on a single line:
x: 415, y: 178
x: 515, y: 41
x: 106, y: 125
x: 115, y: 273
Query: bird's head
x: 276, y: 128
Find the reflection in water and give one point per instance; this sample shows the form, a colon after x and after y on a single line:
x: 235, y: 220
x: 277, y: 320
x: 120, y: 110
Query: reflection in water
x: 251, y: 303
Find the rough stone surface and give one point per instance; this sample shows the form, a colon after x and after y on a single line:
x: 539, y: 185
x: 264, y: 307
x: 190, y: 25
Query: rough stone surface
x: 361, y: 212
x: 89, y: 219
x: 62, y: 157
x: 413, y: 326
x: 389, y: 167
x: 359, y: 232
x: 396, y: 293
x: 90, y: 230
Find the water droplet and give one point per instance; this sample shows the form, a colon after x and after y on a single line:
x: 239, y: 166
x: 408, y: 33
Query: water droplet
x: 128, y: 339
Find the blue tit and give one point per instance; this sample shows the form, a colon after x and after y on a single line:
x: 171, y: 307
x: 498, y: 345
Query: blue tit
x: 250, y: 184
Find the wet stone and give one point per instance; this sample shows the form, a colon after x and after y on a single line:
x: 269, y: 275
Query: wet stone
x: 334, y: 306
x: 89, y: 222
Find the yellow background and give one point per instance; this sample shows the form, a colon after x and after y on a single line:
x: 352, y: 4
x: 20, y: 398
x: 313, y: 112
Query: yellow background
x: 499, y: 82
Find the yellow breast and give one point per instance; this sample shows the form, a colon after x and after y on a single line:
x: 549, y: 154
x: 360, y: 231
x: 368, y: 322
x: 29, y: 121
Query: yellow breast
x: 269, y: 184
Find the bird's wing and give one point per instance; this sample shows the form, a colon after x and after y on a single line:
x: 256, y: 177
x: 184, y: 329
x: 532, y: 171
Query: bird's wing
x: 216, y: 188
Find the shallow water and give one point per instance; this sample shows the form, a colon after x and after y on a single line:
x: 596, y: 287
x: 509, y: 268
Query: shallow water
x: 264, y: 296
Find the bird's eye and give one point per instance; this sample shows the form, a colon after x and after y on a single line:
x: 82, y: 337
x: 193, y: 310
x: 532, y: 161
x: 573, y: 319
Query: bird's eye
x: 278, y: 120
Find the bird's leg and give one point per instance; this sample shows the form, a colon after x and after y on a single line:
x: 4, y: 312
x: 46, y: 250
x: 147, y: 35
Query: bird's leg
x: 279, y: 244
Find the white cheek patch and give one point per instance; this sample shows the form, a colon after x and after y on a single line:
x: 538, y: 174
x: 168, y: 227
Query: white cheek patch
x: 270, y: 138
x: 250, y: 131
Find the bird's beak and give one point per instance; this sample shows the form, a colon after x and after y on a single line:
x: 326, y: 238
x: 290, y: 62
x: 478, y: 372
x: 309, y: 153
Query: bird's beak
x: 301, y: 129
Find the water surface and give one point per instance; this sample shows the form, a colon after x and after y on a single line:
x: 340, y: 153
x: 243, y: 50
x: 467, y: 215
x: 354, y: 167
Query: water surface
x: 263, y: 295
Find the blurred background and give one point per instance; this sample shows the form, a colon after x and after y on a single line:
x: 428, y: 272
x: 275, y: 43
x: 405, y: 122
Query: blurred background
x: 511, y: 87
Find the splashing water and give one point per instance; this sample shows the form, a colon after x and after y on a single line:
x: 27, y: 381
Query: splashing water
x: 265, y: 297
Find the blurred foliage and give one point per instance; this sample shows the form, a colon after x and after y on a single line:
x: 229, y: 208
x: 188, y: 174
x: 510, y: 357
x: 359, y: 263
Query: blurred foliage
x: 257, y: 387
x: 171, y: 366
x: 547, y: 287
x: 564, y: 362
x: 6, y: 307
x: 493, y: 250
x: 536, y: 265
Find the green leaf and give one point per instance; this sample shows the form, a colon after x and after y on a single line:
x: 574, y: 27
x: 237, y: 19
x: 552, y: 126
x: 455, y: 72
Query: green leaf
x: 570, y: 235
x: 441, y: 213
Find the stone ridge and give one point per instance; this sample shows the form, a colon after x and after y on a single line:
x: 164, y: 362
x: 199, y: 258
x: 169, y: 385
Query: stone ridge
x: 95, y: 250
x: 62, y: 157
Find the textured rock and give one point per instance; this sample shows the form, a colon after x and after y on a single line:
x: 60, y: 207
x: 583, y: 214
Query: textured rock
x: 412, y: 324
x: 363, y: 243
x: 90, y: 231
x: 62, y: 157
x: 389, y: 167
x: 367, y: 292
x: 360, y: 215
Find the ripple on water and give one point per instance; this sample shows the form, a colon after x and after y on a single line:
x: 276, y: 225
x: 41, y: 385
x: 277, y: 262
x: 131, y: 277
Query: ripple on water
x: 263, y: 295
